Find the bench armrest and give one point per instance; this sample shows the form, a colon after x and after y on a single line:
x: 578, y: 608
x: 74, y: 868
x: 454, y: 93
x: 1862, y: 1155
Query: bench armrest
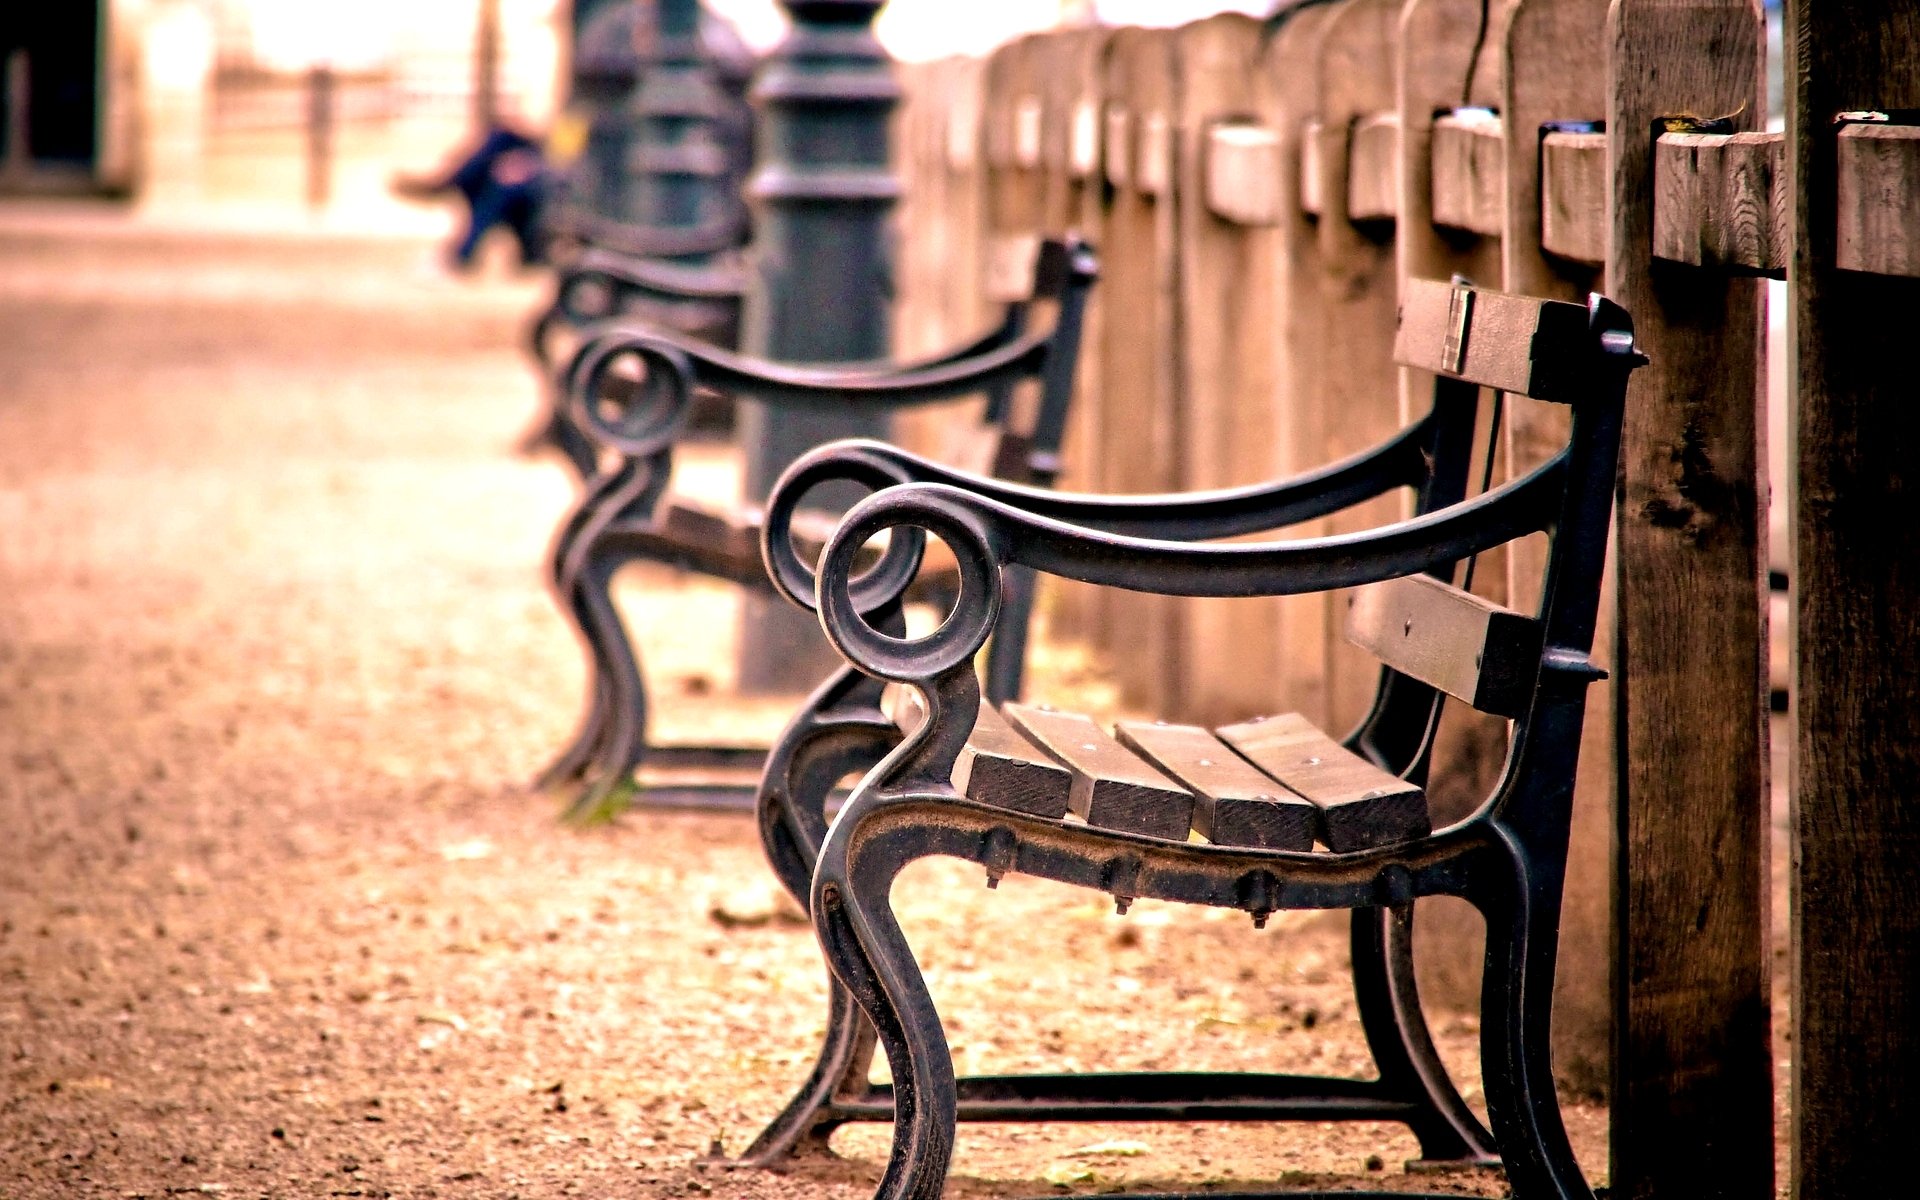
x: 1181, y: 517
x: 828, y: 387
x: 986, y: 536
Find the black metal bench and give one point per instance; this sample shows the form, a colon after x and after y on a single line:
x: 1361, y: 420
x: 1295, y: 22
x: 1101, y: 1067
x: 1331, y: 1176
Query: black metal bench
x: 626, y: 275
x: 1263, y: 815
x: 627, y: 514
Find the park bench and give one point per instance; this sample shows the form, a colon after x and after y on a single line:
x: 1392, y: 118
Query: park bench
x: 628, y: 515
x: 626, y: 274
x: 1262, y: 815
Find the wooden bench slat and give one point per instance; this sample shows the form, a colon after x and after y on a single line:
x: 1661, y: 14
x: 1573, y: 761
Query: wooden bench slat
x: 1469, y: 647
x: 1360, y: 805
x: 1514, y: 343
x: 735, y: 535
x: 998, y: 766
x: 1112, y: 788
x: 1234, y: 805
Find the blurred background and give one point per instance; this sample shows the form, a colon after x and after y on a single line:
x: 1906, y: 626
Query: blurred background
x: 212, y: 107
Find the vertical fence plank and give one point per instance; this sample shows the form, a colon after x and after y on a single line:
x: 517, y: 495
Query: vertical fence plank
x: 1289, y: 99
x: 1357, y: 384
x: 1140, y: 449
x: 1074, y: 201
x: 1856, y: 582
x: 1227, y: 361
x: 1693, y: 1084
x: 938, y: 255
x: 1542, y: 37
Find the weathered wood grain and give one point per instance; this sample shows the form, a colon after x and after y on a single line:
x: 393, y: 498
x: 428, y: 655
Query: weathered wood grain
x: 1234, y: 805
x: 1287, y: 100
x: 1113, y: 788
x: 1573, y: 196
x: 1463, y: 644
x: 1139, y: 351
x: 1228, y: 386
x: 1879, y: 199
x: 1357, y: 385
x: 1693, y: 1079
x: 1856, y: 585
x: 1360, y: 805
x: 1469, y: 172
x: 1720, y: 200
x: 1074, y: 201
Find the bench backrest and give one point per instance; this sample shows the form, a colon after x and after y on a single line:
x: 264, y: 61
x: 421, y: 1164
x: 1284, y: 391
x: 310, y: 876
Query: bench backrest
x: 1435, y: 638
x: 1019, y: 435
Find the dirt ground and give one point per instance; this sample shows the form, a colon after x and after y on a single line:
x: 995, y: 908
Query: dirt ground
x: 278, y: 915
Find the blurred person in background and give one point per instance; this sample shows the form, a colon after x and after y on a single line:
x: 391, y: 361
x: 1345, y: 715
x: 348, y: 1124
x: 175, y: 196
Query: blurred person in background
x: 510, y: 175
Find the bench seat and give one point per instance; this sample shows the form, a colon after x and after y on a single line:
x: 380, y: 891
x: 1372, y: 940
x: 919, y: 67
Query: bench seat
x: 1271, y: 783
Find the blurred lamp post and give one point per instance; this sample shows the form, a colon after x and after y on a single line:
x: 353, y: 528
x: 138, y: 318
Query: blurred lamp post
x: 819, y: 283
x: 677, y: 170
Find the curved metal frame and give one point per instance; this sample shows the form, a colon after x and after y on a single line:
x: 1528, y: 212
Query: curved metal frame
x: 616, y: 522
x: 1507, y: 858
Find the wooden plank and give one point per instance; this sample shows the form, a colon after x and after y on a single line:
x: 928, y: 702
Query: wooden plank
x: 1495, y: 339
x: 1693, y: 1079
x: 1469, y: 172
x: 1288, y: 101
x: 1373, y: 170
x: 1001, y: 768
x: 1234, y: 805
x: 1360, y: 805
x: 1856, y: 587
x: 1139, y: 367
x: 1573, y: 196
x: 1358, y: 387
x: 1074, y: 199
x: 1537, y: 89
x: 1463, y: 644
x: 1243, y: 173
x: 997, y: 765
x: 1112, y: 787
x: 1879, y: 199
x: 1228, y: 385
x: 1720, y: 200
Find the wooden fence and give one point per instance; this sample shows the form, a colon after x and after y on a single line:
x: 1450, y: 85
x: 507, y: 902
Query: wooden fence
x: 1260, y: 190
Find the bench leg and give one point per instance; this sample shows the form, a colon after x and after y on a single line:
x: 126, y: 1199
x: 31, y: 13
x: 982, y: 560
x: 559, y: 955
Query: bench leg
x: 840, y: 730
x: 1389, y: 1005
x: 1516, y: 1017
x: 623, y: 742
x: 863, y: 944
x: 608, y: 499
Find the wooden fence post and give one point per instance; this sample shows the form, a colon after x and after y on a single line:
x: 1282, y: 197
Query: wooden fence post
x: 1693, y: 1083
x: 1358, y: 385
x: 1139, y: 343
x: 1290, y: 98
x: 1075, y: 201
x: 1228, y: 356
x: 1856, y: 583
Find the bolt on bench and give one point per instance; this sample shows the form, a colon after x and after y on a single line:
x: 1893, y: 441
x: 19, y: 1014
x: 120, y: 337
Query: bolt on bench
x: 1263, y: 815
x: 627, y: 513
